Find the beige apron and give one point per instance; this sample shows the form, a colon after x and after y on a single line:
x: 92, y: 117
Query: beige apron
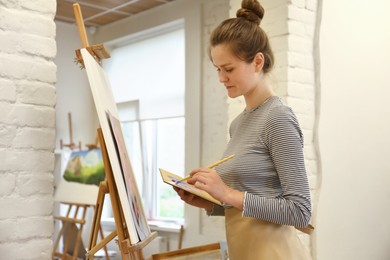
x: 255, y: 239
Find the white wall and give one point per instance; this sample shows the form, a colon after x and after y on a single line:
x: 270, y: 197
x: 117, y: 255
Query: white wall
x: 354, y: 205
x: 73, y: 91
x: 27, y: 128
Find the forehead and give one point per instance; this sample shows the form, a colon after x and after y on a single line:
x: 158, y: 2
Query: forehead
x: 222, y: 55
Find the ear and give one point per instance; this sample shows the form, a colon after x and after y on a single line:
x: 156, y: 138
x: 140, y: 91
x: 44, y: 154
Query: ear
x: 259, y: 61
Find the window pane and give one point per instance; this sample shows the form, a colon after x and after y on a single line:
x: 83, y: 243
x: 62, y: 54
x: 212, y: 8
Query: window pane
x: 152, y: 108
x: 170, y: 156
x: 154, y: 144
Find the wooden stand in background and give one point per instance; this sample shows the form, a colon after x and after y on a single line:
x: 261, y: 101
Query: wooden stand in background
x: 128, y: 251
x: 72, y: 236
x: 71, y: 144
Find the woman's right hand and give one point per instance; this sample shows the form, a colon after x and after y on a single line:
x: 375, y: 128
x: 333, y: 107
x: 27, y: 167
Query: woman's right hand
x: 193, y: 200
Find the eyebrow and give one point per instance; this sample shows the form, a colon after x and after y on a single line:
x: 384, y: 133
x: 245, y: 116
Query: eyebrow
x: 223, y: 65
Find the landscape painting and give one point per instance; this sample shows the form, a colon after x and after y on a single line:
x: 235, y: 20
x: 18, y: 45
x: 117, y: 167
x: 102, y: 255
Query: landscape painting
x: 85, y: 167
x: 80, y: 181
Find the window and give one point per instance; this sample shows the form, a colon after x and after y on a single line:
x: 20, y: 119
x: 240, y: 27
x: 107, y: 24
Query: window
x: 147, y: 77
x: 153, y: 143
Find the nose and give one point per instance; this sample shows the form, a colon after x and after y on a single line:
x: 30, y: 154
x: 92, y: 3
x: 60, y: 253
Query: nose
x: 222, y: 77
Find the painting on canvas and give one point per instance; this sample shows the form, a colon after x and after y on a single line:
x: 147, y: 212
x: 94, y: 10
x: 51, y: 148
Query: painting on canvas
x: 81, y: 177
x: 132, y: 192
x: 104, y: 102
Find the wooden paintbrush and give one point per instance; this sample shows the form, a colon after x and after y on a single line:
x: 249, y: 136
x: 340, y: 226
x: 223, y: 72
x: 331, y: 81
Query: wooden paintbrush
x: 211, y: 166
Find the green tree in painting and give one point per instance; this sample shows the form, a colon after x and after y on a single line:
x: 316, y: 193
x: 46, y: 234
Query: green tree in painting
x: 85, y: 167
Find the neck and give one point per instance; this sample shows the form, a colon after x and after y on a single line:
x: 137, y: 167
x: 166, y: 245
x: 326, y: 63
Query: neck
x: 258, y: 96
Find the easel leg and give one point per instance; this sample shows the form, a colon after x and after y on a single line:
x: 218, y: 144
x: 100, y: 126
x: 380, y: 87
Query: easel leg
x: 58, y: 239
x: 67, y: 242
x: 105, y: 246
x: 101, y: 244
x: 97, y: 216
x: 60, y: 234
x: 78, y: 239
x: 131, y: 252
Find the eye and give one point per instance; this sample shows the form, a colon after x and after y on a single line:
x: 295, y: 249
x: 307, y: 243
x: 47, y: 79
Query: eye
x: 226, y: 70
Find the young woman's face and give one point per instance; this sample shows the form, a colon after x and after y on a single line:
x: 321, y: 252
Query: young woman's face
x: 238, y: 76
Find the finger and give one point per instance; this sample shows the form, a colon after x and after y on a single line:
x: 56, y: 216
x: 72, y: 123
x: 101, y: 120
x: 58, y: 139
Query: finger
x: 191, y: 181
x: 200, y: 185
x: 201, y: 170
x: 201, y: 178
x: 194, y: 171
x: 181, y: 193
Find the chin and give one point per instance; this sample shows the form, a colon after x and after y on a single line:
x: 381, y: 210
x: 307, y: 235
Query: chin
x: 233, y: 95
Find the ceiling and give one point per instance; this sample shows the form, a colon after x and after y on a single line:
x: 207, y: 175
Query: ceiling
x: 101, y: 12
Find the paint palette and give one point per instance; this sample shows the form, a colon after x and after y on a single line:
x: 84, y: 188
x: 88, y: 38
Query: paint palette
x: 174, y: 180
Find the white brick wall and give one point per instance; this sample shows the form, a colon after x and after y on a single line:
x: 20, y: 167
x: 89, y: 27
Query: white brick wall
x: 214, y: 104
x: 290, y: 26
x: 214, y: 101
x: 27, y: 128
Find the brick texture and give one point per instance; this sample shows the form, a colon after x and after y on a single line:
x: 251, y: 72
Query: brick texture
x: 27, y: 128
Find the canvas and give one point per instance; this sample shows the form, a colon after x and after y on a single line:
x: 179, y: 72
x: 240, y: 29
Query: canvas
x: 81, y: 177
x: 133, y: 195
x: 104, y: 103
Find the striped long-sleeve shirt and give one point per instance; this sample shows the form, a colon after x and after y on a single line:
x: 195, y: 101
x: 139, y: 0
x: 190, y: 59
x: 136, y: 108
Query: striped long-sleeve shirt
x: 268, y: 165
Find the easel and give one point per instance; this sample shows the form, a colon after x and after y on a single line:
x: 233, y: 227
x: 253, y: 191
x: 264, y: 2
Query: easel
x: 73, y: 217
x: 98, y: 51
x: 76, y: 214
x: 70, y: 218
x: 128, y: 251
x: 71, y: 144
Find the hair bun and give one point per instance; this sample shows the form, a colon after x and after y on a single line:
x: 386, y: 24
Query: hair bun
x: 251, y: 10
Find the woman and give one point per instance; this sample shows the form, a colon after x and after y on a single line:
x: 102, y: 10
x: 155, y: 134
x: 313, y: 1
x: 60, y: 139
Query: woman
x: 264, y: 188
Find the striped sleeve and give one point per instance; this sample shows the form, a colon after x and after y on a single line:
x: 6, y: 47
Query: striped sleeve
x: 283, y: 137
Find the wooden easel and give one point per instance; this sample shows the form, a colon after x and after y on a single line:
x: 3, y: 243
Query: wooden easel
x: 71, y: 144
x: 76, y: 214
x: 70, y: 219
x: 98, y: 51
x: 128, y: 251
